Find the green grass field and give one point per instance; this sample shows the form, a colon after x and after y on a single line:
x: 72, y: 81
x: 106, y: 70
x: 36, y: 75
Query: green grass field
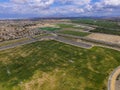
x: 100, y: 23
x: 104, y: 26
x: 106, y: 31
x: 76, y: 33
x: 51, y: 65
x: 49, y: 28
x: 65, y: 25
x: 72, y: 26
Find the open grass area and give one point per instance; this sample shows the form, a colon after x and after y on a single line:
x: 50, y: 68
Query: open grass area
x: 103, y: 26
x: 101, y: 23
x: 76, y: 33
x: 65, y: 25
x: 50, y: 28
x: 51, y: 65
x: 72, y: 26
x: 106, y: 31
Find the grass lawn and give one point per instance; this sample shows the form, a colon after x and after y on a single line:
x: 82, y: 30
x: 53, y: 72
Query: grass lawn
x: 50, y: 28
x: 51, y: 65
x: 76, y: 33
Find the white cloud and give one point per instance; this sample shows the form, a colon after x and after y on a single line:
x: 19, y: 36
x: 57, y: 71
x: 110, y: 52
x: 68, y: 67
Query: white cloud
x: 112, y: 2
x: 18, y: 1
x: 76, y: 2
x: 64, y: 7
x: 39, y: 3
x: 33, y: 3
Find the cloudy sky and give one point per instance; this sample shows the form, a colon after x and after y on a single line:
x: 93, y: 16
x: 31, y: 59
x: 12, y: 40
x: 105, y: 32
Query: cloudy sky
x: 58, y: 8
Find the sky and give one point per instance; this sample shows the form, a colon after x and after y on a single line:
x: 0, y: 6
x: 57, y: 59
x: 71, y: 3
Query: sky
x: 58, y: 8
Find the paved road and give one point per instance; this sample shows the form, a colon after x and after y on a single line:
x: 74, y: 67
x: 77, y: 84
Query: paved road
x: 112, y: 79
x: 80, y: 44
x: 103, y: 43
x: 31, y: 40
x: 57, y: 38
x: 67, y: 35
x: 74, y: 43
x: 17, y: 44
x: 117, y: 84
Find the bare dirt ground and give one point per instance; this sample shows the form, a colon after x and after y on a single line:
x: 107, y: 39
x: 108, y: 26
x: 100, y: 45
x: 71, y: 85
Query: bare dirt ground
x: 105, y: 37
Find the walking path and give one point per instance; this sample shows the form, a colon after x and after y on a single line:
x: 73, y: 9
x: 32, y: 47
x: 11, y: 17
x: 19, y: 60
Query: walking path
x: 112, y: 79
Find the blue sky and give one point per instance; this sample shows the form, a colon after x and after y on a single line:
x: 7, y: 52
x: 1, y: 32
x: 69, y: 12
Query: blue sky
x: 58, y: 8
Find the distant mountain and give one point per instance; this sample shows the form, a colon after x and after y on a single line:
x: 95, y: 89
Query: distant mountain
x: 82, y: 17
x: 37, y: 18
x: 113, y: 19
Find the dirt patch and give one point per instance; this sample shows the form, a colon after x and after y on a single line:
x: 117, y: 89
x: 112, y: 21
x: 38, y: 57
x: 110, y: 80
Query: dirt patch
x: 105, y: 37
x: 44, y: 81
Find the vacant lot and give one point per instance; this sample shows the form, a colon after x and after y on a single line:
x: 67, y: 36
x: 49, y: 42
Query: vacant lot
x: 105, y: 37
x: 50, y: 65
